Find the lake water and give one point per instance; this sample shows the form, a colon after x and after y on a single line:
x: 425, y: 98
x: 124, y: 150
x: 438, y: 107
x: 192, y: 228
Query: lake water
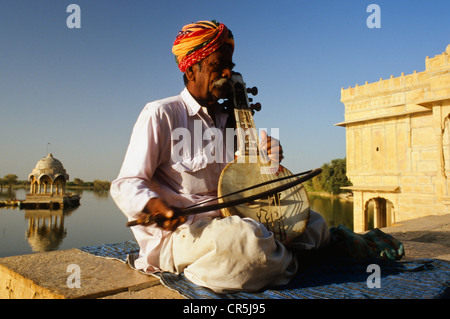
x: 335, y: 211
x: 97, y: 221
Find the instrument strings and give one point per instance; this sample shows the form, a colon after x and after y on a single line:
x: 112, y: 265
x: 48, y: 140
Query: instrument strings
x: 272, y: 216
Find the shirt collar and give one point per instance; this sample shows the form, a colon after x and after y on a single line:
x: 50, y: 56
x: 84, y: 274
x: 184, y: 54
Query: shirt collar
x: 191, y: 104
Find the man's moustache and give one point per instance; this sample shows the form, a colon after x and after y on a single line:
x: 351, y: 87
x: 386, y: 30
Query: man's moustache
x: 221, y: 83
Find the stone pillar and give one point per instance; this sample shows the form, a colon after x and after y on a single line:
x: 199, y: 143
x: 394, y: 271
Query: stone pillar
x: 379, y: 214
x: 439, y: 126
x: 359, y: 219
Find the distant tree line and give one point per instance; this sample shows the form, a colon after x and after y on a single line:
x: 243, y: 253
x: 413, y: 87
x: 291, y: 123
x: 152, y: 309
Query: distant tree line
x: 98, y: 185
x: 10, y: 180
x: 80, y: 183
x: 332, y: 178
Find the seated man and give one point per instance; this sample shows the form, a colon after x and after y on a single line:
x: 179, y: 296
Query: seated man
x: 223, y: 254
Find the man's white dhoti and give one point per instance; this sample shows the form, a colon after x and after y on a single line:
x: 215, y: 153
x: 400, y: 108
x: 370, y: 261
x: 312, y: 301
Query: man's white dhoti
x: 228, y: 254
x: 236, y: 254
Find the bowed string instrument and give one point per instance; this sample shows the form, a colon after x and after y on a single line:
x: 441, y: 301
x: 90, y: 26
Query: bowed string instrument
x: 252, y: 185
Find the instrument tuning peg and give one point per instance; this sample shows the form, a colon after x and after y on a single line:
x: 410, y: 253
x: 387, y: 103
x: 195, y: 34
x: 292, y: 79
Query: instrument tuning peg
x: 253, y: 90
x: 256, y: 107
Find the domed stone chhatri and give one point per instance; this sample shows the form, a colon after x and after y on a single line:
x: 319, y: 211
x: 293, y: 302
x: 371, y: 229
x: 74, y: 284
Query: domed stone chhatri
x: 48, y: 185
x: 49, y: 176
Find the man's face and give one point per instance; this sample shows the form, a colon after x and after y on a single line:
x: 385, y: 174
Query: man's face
x: 209, y: 82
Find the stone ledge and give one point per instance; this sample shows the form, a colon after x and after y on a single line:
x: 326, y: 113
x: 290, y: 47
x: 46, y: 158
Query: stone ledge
x: 45, y: 275
x: 375, y: 189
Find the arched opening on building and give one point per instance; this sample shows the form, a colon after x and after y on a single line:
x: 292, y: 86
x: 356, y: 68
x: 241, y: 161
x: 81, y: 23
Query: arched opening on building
x: 46, y: 184
x: 59, y: 185
x: 378, y: 213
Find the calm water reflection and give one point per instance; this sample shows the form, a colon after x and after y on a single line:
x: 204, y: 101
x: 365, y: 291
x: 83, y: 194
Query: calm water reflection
x: 335, y: 211
x: 97, y: 221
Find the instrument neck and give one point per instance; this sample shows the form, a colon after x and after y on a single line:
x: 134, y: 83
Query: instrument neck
x: 246, y: 133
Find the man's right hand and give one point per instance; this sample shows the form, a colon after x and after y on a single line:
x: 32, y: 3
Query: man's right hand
x: 157, y: 211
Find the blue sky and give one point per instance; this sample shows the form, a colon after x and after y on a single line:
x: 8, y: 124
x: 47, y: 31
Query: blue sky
x: 81, y: 90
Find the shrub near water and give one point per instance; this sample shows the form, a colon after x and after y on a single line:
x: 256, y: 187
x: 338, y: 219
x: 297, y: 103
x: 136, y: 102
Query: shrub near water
x: 332, y: 178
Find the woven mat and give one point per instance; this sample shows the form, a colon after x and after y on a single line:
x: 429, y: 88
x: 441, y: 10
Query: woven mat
x: 416, y: 279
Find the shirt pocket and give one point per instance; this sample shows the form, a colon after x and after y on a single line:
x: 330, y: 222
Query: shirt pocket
x: 191, y: 164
